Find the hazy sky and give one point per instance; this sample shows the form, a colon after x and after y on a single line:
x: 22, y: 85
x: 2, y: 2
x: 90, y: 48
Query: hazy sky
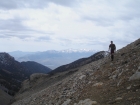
x: 40, y: 25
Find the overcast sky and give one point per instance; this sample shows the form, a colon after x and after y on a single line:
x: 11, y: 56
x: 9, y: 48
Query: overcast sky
x: 40, y: 25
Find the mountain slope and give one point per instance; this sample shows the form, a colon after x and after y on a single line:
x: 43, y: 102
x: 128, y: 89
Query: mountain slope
x: 12, y: 72
x: 34, y: 67
x: 101, y: 82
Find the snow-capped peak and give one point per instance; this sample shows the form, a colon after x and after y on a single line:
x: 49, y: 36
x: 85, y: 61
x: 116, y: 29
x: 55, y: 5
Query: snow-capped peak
x: 77, y: 50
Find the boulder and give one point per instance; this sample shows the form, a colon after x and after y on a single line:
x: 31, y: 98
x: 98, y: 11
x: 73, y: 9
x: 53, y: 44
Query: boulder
x: 36, y: 76
x: 86, y: 102
x: 67, y: 102
x: 135, y: 76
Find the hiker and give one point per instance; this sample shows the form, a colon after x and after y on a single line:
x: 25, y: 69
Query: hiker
x: 112, y: 48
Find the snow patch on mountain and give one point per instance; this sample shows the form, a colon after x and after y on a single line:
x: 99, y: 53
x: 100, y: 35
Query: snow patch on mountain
x: 77, y: 50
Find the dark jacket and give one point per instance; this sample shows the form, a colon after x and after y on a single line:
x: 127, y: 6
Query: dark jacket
x: 112, y: 46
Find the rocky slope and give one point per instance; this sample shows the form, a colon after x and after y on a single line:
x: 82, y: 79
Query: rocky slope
x: 101, y: 82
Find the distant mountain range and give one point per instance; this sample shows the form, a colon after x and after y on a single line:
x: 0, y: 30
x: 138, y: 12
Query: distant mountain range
x: 52, y: 58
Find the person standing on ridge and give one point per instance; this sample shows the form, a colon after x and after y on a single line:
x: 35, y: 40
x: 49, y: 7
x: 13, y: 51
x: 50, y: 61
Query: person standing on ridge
x: 112, y: 48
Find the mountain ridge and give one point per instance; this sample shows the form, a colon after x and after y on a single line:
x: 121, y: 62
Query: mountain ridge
x: 80, y: 62
x: 35, y: 67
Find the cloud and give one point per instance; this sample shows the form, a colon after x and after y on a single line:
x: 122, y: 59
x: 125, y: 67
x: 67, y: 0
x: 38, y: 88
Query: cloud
x: 12, y: 28
x: 8, y: 35
x: 4, y: 4
x: 16, y: 4
x: 12, y: 24
x: 15, y: 28
x: 44, y: 39
x: 107, y: 13
x: 64, y: 2
x: 60, y: 24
